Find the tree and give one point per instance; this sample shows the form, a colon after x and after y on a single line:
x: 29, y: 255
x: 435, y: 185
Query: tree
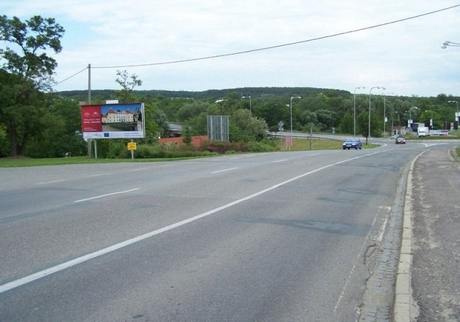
x: 25, y: 74
x: 187, y: 137
x: 346, y: 124
x: 62, y: 133
x: 246, y: 128
x: 162, y: 121
x: 190, y: 110
x: 128, y: 83
x: 326, y: 119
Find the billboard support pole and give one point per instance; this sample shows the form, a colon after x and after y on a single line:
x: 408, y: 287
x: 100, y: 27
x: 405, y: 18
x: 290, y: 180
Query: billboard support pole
x: 132, y: 152
x: 89, y: 84
x: 89, y: 103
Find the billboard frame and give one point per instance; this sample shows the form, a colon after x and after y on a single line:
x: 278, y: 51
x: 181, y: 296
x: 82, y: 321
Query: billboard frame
x: 113, y: 121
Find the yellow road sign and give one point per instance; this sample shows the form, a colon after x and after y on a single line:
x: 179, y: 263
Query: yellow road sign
x: 132, y: 146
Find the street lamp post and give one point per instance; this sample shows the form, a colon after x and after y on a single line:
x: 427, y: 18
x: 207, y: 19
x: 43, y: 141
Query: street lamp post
x: 431, y: 119
x: 384, y: 113
x: 456, y: 115
x: 450, y: 43
x: 354, y: 109
x: 250, y: 102
x: 410, y: 116
x: 292, y: 97
x: 392, y: 122
x: 369, y: 125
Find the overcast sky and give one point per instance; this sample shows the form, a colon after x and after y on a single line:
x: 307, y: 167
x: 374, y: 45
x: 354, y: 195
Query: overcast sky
x: 143, y: 37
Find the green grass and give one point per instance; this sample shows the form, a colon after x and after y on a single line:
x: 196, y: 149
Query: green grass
x: 30, y: 162
x: 317, y: 144
x: 455, y: 154
x: 298, y: 145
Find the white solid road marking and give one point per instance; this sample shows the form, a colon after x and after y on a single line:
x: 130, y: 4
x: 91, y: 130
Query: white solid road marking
x: 106, y: 195
x: 82, y: 259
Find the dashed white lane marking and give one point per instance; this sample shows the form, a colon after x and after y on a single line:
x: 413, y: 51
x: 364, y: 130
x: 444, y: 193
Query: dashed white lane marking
x: 229, y: 169
x: 107, y: 195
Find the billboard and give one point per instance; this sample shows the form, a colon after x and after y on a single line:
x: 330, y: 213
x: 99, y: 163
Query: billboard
x: 113, y: 121
x: 218, y: 128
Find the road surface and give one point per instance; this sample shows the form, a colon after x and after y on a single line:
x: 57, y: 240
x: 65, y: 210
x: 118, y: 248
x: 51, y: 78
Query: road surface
x: 286, y: 236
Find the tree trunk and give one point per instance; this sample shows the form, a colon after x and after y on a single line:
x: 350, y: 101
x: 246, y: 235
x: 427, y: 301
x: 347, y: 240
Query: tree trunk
x: 23, y: 148
x: 14, y: 142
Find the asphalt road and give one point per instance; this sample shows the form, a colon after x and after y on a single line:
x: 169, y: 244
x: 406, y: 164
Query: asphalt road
x: 287, y: 236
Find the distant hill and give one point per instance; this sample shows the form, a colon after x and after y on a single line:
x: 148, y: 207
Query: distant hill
x: 254, y: 92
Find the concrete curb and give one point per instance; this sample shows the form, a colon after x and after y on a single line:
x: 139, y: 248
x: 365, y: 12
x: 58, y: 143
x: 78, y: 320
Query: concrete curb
x: 404, y: 309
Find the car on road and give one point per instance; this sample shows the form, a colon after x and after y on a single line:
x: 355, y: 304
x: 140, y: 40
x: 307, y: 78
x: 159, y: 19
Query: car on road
x: 400, y: 140
x: 352, y: 143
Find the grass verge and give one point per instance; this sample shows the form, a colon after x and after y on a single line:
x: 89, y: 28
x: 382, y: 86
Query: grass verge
x: 298, y: 145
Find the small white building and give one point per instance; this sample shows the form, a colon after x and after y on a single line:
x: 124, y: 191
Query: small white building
x: 113, y: 116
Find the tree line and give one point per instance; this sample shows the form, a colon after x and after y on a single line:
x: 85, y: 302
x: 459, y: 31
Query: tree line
x: 37, y: 122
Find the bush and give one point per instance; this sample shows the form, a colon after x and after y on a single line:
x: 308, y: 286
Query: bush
x: 263, y: 146
x: 170, y: 150
x: 238, y: 147
x: 223, y: 147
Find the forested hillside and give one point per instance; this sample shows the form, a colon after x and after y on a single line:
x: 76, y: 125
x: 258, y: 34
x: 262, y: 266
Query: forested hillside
x: 208, y: 94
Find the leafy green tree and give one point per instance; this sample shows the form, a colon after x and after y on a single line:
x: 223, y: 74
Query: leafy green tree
x: 161, y: 120
x: 326, y: 119
x: 198, y: 124
x: 4, y: 147
x: 346, y: 124
x: 273, y: 111
x: 247, y: 128
x: 62, y: 133
x: 187, y: 136
x: 308, y: 117
x: 22, y: 111
x: 128, y: 84
x: 30, y: 70
x: 190, y: 110
x: 151, y: 127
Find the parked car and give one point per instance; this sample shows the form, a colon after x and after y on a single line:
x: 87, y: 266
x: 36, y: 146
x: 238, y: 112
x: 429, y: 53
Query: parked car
x: 400, y: 140
x: 352, y: 143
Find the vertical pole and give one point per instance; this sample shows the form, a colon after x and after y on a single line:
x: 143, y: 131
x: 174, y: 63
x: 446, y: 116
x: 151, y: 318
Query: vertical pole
x: 291, y: 122
x: 354, y: 113
x: 132, y: 152
x: 369, y: 124
x: 354, y: 108
x: 89, y: 84
x: 89, y: 103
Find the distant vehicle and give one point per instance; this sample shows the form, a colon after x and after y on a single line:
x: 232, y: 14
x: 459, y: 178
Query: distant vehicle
x: 423, y: 131
x: 400, y: 140
x: 352, y: 143
x: 439, y: 132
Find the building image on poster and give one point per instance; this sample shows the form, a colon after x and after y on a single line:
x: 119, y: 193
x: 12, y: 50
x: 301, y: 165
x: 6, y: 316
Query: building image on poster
x: 113, y: 121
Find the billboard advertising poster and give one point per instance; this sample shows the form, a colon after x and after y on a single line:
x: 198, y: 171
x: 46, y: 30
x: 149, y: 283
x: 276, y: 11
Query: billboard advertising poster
x: 113, y: 121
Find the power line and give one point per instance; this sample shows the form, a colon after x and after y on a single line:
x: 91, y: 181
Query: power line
x: 62, y: 81
x: 282, y: 45
x: 271, y: 47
